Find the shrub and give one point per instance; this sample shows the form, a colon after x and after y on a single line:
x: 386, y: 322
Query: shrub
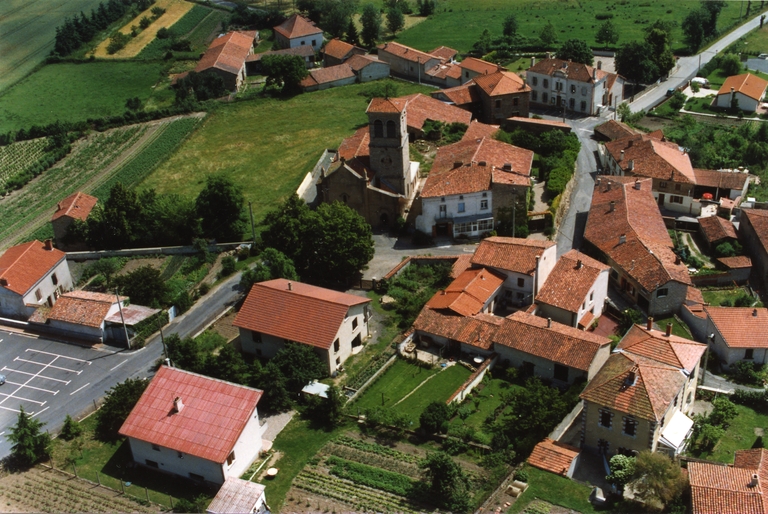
x: 144, y: 22
x: 117, y: 43
x: 521, y: 475
x: 747, y: 372
x: 71, y: 429
x: 204, y: 288
x: 227, y: 266
x: 435, y: 417
x: 164, y: 33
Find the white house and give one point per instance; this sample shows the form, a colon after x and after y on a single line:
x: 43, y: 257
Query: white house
x: 746, y: 91
x: 737, y: 333
x: 280, y: 311
x: 575, y: 292
x: 575, y: 86
x: 32, y: 274
x: 298, y: 31
x: 194, y: 426
x: 525, y: 263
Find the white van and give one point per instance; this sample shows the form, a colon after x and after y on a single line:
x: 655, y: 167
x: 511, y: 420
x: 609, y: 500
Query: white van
x: 701, y: 81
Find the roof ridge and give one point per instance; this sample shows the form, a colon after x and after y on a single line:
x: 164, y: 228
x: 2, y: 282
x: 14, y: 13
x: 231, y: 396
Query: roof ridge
x: 211, y: 378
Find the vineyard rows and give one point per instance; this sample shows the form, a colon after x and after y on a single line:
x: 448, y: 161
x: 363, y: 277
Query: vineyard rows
x: 375, y: 448
x: 372, y: 459
x: 19, y: 157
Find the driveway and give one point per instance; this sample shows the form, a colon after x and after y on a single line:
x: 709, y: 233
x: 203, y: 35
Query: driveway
x: 390, y: 251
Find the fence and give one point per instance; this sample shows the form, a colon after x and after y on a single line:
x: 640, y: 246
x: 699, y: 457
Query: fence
x: 474, y: 379
x: 376, y: 375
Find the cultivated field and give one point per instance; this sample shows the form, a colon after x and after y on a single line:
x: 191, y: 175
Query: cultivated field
x: 174, y: 11
x: 76, y: 92
x: 197, y: 26
x: 27, y: 29
x: 126, y: 154
x: 19, y: 157
x: 266, y: 145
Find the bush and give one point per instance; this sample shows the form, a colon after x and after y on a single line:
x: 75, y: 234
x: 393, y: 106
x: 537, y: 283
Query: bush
x: 228, y: 266
x: 164, y: 33
x: 204, y: 288
x: 117, y: 42
x: 678, y: 100
x: 521, y: 475
x: 71, y: 429
x: 747, y: 372
x: 435, y: 417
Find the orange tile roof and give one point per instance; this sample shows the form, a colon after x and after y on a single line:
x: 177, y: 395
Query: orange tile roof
x: 356, y: 145
x: 407, y: 53
x: 89, y: 309
x: 474, y: 330
x: 214, y: 415
x: 304, y: 313
x: 721, y: 179
x: 613, y: 130
x: 654, y: 344
x: 741, y: 327
x: 647, y: 254
x: 458, y: 168
x: 553, y: 456
x: 558, y: 343
x: 746, y: 84
x: 511, y: 254
x: 715, y: 228
x: 445, y: 53
x: 339, y: 49
x: 384, y: 105
x: 758, y: 218
x: 740, y: 261
x: 501, y: 83
x: 467, y: 294
x: 478, y: 130
x: 358, y: 62
x: 652, y: 158
x: 76, y: 206
x: 420, y: 108
x: 721, y: 489
x: 655, y: 387
x: 480, y: 66
x: 227, y: 52
x: 22, y: 266
x: 297, y: 26
x: 445, y: 70
x: 329, y: 74
x: 570, y: 281
x: 459, y: 95
x: 572, y: 70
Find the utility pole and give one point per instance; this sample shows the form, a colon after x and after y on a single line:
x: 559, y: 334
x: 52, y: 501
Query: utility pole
x: 253, y: 230
x: 162, y: 338
x: 122, y: 318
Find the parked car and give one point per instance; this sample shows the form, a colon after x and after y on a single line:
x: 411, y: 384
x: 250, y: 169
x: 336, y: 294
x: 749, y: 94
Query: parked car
x: 671, y: 91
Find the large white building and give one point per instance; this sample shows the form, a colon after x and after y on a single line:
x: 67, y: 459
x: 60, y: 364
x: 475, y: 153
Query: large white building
x: 298, y: 31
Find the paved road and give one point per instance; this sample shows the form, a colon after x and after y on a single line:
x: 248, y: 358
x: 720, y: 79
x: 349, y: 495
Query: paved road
x: 390, y: 251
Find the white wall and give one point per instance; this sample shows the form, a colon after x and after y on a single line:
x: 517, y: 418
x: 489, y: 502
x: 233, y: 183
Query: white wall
x: 169, y: 461
x: 247, y: 447
x: 15, y: 306
x: 313, y: 40
x: 430, y: 208
x: 374, y: 71
x: 745, y: 103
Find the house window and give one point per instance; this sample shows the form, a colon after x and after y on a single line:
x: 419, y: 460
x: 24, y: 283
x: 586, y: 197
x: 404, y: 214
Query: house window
x: 38, y: 295
x: 483, y: 205
x: 630, y: 426
x: 256, y: 336
x: 461, y: 206
x: 498, y: 104
x: 527, y: 369
x: 545, y: 83
x: 314, y: 42
x: 378, y: 128
x: 605, y: 419
x: 583, y: 106
x: 485, y: 195
x: 591, y: 296
x: 603, y: 445
x: 231, y: 458
x: 303, y: 42
x: 442, y: 199
x: 535, y: 81
x: 553, y: 100
x: 544, y: 97
x: 661, y: 293
x: 584, y: 91
x: 534, y: 96
x: 614, y: 274
x: 54, y: 279
x: 678, y: 187
x: 515, y: 101
x: 391, y: 132
x: 676, y: 199
x: 749, y: 354
x: 559, y: 86
x: 561, y: 373
x: 573, y: 88
x: 520, y: 282
x: 571, y: 104
x: 662, y: 185
x: 354, y: 323
x: 156, y: 447
x: 151, y: 463
x: 466, y: 74
x: 336, y: 346
x: 196, y: 477
x: 338, y: 361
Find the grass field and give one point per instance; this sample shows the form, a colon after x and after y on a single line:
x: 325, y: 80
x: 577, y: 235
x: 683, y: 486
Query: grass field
x: 679, y: 328
x: 554, y: 489
x: 174, y: 11
x: 756, y: 42
x: 198, y: 18
x: 76, y: 92
x: 717, y: 296
x: 27, y: 29
x: 266, y: 145
x: 459, y: 23
x: 739, y: 436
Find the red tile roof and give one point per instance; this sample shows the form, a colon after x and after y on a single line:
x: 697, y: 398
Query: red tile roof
x: 76, y: 206
x: 553, y: 456
x: 741, y: 327
x: 306, y: 314
x: 510, y: 254
x: 214, y: 415
x: 327, y: 75
x: 613, y: 130
x: 758, y: 218
x: 420, y: 108
x: 297, y: 26
x: 459, y: 95
x: 501, y: 83
x: 358, y: 62
x: 572, y: 70
x: 385, y: 105
x: 467, y: 294
x: 722, y: 489
x: 557, y: 343
x: 646, y: 251
x: 227, y: 52
x: 746, y: 84
x: 474, y: 330
x: 570, y: 281
x: 722, y: 179
x: 652, y: 158
x: 740, y: 261
x: 654, y: 344
x: 480, y: 66
x: 478, y: 130
x: 445, y: 53
x: 715, y: 228
x: 22, y: 266
x: 445, y: 70
x: 82, y: 308
x: 339, y: 49
x: 407, y: 53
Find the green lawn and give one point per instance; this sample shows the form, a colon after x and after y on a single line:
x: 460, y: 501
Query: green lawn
x: 756, y: 42
x: 76, y: 92
x: 400, y: 379
x: 266, y: 145
x: 490, y: 400
x: 554, y: 489
x: 717, y: 296
x: 717, y: 77
x: 739, y: 436
x: 679, y: 328
x: 439, y: 388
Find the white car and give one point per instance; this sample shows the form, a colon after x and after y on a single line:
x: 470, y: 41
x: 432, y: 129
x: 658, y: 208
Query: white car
x: 762, y: 56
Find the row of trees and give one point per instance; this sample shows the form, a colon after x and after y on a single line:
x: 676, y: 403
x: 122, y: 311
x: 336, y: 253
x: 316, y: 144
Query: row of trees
x: 701, y: 24
x: 645, y: 61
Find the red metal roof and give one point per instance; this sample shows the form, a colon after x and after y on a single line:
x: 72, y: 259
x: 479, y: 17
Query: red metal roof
x: 76, y: 206
x: 295, y: 311
x: 22, y: 266
x: 214, y: 415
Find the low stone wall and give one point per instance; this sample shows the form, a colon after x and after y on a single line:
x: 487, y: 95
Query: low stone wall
x: 474, y: 379
x: 160, y: 250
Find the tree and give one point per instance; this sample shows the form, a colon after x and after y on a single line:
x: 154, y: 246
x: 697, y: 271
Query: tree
x: 30, y: 443
x: 607, y: 34
x: 628, y: 318
x: 435, y: 418
x: 723, y: 412
x: 107, y: 266
x: 483, y: 45
x: 622, y: 470
x: 185, y: 353
x: 220, y: 208
x: 144, y: 286
x: 284, y: 73
x: 576, y: 50
x: 426, y: 7
x: 634, y: 61
x: 678, y: 100
x: 351, y: 36
x: 200, y: 86
x: 272, y: 381
x: 371, y: 20
x: 336, y: 15
x: 624, y: 111
x: 661, y: 51
x: 658, y: 478
x: 711, y: 11
x: 118, y: 403
x: 548, y: 35
x: 730, y: 64
x: 510, y: 26
x: 272, y: 264
x: 447, y: 482
x: 71, y: 429
x: 693, y: 29
x: 299, y: 364
x: 395, y: 20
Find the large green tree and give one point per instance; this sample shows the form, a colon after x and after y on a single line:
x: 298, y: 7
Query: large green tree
x: 576, y: 50
x: 509, y: 28
x: 299, y: 364
x: 635, y: 62
x: 711, y: 10
x: 395, y: 20
x: 220, y: 207
x: 607, y: 34
x: 271, y: 380
x: 271, y: 264
x: 284, y: 73
x: 371, y: 20
x: 548, y: 34
x: 693, y: 28
x: 448, y: 484
x: 144, y: 286
x: 30, y: 443
x: 435, y: 417
x: 658, y: 479
x: 118, y: 404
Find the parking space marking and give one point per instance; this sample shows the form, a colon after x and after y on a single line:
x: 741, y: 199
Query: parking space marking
x: 79, y: 389
x: 12, y: 410
x: 113, y: 369
x: 34, y: 375
x: 49, y: 366
x: 22, y: 398
x: 54, y: 393
x: 39, y: 412
x: 57, y: 356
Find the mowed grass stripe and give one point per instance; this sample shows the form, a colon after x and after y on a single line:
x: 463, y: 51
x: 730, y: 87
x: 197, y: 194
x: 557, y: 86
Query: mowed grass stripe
x: 400, y: 379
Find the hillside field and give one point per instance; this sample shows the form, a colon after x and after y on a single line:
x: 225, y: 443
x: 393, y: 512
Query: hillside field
x: 266, y: 145
x: 27, y: 29
x: 76, y: 92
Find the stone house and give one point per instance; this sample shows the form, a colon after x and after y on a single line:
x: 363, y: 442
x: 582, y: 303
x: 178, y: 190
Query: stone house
x: 715, y: 231
x: 77, y: 206
x: 32, y: 274
x: 753, y: 232
x: 744, y: 91
x: 171, y: 427
x: 368, y: 68
x: 338, y: 52
x: 408, y: 62
x: 226, y: 57
x: 492, y: 97
x: 332, y: 76
x: 298, y: 31
x: 280, y: 311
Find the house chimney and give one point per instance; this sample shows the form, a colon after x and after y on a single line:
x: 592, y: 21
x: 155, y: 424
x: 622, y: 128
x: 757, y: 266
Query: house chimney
x: 178, y: 404
x: 599, y: 65
x: 632, y: 166
x: 608, y: 187
x: 3, y: 282
x: 48, y: 245
x: 597, y: 182
x: 612, y: 206
x: 535, y: 279
x: 622, y: 156
x: 549, y: 322
x: 754, y: 312
x: 754, y: 481
x: 533, y: 61
x: 579, y: 264
x: 622, y: 239
x: 594, y: 73
x: 649, y: 326
x: 733, y: 93
x: 507, y: 166
x: 637, y: 182
x: 290, y: 286
x: 631, y: 377
x: 669, y: 329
